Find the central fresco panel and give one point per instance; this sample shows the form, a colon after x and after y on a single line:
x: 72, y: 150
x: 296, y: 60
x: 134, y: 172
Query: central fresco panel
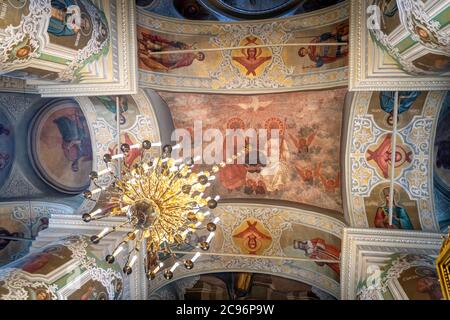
x: 309, y: 167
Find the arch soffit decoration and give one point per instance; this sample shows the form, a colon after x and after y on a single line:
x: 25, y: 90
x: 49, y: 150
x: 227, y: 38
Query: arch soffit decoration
x: 145, y: 126
x: 275, y: 75
x: 275, y: 219
x: 362, y: 177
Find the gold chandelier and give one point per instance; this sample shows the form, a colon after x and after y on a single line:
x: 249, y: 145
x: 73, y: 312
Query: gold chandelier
x: 164, y: 202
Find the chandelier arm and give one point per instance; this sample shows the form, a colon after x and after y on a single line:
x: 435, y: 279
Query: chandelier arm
x: 169, y: 184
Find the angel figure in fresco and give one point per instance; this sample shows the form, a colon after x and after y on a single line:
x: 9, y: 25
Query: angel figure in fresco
x: 110, y: 104
x: 330, y: 184
x: 406, y: 100
x: 318, y: 249
x: 307, y: 174
x: 6, y: 233
x: 76, y: 142
x: 400, y: 217
x: 66, y: 19
x: 251, y: 58
x: 149, y: 43
x: 382, y: 156
x: 302, y: 143
x: 322, y: 55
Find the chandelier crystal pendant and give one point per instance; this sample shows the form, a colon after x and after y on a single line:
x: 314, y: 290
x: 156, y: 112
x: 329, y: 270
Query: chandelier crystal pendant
x: 164, y: 202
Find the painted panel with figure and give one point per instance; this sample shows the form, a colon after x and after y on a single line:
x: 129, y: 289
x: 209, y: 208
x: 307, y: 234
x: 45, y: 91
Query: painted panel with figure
x: 14, y: 223
x: 61, y: 148
x: 52, y: 43
x: 68, y: 269
x: 303, y: 242
x: 405, y: 213
x: 400, y: 45
x: 244, y: 68
x: 307, y: 169
x: 402, y: 277
x: 128, y: 110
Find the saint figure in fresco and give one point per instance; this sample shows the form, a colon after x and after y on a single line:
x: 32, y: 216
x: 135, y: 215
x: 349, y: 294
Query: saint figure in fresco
x: 406, y: 100
x: 5, y: 233
x: 317, y: 248
x: 322, y: 55
x: 76, y: 142
x: 400, y: 218
x: 428, y: 283
x: 164, y: 62
x: 66, y: 18
x: 251, y: 58
x: 110, y: 104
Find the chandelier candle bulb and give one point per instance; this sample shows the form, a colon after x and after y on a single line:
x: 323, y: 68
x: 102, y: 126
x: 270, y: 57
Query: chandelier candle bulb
x: 174, y: 266
x: 135, y: 146
x: 103, y: 232
x: 117, y: 156
x: 118, y: 250
x: 196, y: 256
x: 104, y: 171
x: 133, y: 260
x: 96, y: 212
x: 216, y: 220
x: 96, y: 191
x: 211, y: 235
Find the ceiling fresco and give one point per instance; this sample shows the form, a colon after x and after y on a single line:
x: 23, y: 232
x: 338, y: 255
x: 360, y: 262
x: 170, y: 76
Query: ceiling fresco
x: 272, y: 68
x: 403, y: 277
x: 309, y: 171
x: 369, y: 135
x: 86, y: 276
x: 305, y: 217
x: 272, y: 239
x: 60, y: 42
x: 400, y: 44
x: 229, y: 10
x: 390, y: 265
x: 441, y: 166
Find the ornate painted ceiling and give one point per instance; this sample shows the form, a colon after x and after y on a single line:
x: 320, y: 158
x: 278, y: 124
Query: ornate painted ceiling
x: 315, y: 225
x: 229, y: 10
